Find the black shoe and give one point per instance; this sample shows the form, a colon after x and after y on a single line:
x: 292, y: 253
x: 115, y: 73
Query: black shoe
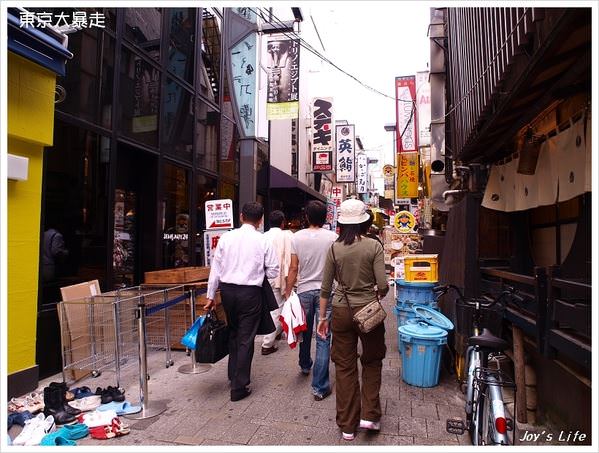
x: 117, y: 394
x: 105, y: 395
x: 54, y: 403
x: 320, y: 397
x: 266, y: 351
x: 236, y: 396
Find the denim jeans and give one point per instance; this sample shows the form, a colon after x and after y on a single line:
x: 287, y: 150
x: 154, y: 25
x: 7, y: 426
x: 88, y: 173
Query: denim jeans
x: 321, y: 384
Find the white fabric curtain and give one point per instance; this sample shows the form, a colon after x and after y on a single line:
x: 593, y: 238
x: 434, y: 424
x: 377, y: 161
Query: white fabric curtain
x: 563, y: 167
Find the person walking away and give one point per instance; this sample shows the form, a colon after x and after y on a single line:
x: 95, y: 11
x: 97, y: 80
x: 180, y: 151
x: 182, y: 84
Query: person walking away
x: 360, y: 266
x: 280, y: 240
x: 242, y: 259
x: 308, y: 249
x: 371, y: 230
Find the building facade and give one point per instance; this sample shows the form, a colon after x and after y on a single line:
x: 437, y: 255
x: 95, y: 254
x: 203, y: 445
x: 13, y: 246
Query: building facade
x: 516, y: 137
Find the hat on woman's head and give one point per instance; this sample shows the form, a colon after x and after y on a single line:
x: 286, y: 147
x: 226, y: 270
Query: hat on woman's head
x: 352, y: 212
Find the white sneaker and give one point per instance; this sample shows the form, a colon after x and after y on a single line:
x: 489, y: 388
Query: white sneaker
x: 371, y: 426
x: 43, y: 428
x: 28, y: 430
x: 348, y: 436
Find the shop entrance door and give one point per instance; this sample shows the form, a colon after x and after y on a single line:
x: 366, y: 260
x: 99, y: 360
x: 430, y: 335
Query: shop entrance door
x: 135, y: 245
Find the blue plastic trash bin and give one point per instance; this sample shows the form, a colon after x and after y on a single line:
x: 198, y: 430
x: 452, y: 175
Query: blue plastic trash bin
x: 404, y: 316
x: 421, y: 346
x: 408, y: 294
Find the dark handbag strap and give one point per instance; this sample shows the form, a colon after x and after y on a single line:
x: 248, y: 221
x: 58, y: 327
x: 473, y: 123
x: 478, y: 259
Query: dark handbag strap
x: 338, y: 278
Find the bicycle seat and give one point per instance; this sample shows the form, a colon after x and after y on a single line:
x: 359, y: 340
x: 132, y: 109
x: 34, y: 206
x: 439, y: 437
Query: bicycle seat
x: 487, y: 340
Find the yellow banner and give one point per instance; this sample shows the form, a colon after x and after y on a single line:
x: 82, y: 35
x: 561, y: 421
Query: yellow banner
x: 407, y: 175
x: 282, y: 110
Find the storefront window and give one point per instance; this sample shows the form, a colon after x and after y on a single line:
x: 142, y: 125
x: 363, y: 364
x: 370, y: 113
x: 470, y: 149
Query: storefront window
x: 229, y: 150
x: 206, y: 136
x: 74, y: 210
x: 139, y: 98
x: 177, y: 136
x: 206, y: 191
x: 211, y: 54
x: 181, y: 42
x: 84, y: 88
x: 142, y: 27
x: 175, y: 217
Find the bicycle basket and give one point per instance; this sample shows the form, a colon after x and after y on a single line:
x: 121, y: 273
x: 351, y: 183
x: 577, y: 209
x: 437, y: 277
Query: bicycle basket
x: 491, y: 318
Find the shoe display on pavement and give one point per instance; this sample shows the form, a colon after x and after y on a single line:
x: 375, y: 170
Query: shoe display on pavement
x: 28, y: 431
x: 370, y: 426
x: 321, y: 396
x: 266, y: 351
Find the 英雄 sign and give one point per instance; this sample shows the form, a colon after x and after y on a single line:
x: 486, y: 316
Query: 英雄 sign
x: 219, y: 214
x: 345, y: 153
x: 211, y: 238
x: 323, y: 137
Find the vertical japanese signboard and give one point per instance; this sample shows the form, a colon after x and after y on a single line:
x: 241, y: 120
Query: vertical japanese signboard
x: 331, y: 214
x: 405, y: 98
x: 283, y: 79
x: 407, y: 175
x: 337, y: 195
x: 323, y: 139
x: 211, y: 238
x: 389, y: 180
x: 423, y: 101
x: 345, y: 153
x: 362, y: 173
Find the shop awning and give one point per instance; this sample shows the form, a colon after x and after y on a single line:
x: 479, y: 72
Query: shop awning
x: 281, y: 180
x: 43, y: 46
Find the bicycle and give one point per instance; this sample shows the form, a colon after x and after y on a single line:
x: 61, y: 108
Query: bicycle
x: 487, y: 419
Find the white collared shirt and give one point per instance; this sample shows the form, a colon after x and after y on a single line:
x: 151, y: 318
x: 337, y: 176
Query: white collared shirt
x: 242, y: 257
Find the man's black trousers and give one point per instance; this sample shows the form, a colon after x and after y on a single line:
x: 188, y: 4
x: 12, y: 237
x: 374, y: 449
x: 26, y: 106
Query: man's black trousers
x: 243, y: 306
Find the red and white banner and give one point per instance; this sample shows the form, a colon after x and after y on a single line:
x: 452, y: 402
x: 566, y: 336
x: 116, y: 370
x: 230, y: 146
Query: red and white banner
x: 323, y: 135
x: 405, y: 111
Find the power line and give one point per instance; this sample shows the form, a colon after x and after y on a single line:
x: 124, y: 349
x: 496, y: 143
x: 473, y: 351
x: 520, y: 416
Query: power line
x: 311, y: 49
x: 306, y: 45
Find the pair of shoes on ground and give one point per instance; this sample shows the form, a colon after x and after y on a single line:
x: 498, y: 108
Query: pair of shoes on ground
x: 239, y: 395
x: 82, y: 392
x: 34, y: 430
x: 87, y: 403
x: 55, y: 404
x: 110, y: 394
x: 122, y: 408
x: 364, y: 424
x: 18, y: 418
x: 32, y: 402
x: 321, y: 396
x: 266, y: 351
x: 67, y: 435
x: 114, y: 429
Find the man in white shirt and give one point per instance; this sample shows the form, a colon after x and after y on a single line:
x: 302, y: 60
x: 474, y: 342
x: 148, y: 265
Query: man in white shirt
x: 243, y: 257
x: 308, y: 251
x: 281, y: 242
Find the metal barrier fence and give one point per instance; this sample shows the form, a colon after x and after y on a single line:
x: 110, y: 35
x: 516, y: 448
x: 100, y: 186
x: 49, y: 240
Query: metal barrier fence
x: 114, y: 330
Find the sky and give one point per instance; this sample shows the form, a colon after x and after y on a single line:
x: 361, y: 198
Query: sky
x: 375, y: 42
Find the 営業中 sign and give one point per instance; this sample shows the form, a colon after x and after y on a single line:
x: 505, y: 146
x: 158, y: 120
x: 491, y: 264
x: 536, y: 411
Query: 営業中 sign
x: 219, y: 214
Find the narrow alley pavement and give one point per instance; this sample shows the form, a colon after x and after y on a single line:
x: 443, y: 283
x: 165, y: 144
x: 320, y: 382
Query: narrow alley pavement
x: 281, y: 409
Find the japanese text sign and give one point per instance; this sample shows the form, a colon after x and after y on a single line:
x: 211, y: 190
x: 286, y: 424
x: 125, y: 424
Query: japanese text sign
x: 219, y: 214
x: 323, y: 140
x: 362, y: 173
x: 407, y: 175
x: 405, y: 98
x: 243, y: 64
x: 211, y: 238
x: 345, y: 153
x: 283, y: 79
x: 337, y: 195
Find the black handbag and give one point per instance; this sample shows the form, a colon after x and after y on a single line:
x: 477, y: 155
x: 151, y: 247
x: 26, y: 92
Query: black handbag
x: 213, y: 340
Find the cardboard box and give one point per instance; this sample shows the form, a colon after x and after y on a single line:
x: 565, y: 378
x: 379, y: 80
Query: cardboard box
x: 178, y: 275
x: 77, y: 347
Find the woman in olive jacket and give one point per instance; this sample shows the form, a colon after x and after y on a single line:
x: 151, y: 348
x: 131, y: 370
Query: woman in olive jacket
x: 357, y: 263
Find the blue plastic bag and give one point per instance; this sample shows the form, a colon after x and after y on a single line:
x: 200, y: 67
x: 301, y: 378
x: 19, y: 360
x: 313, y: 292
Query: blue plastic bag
x: 191, y: 336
